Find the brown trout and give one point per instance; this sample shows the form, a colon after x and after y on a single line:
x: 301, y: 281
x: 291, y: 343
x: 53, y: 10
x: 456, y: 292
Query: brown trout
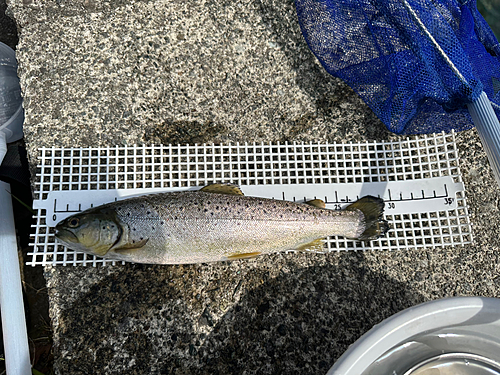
x: 215, y: 223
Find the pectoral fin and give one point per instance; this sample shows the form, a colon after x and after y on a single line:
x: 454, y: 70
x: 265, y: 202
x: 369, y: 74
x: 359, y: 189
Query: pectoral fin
x: 130, y: 247
x: 316, y: 203
x: 316, y: 245
x: 222, y: 189
x: 244, y: 255
x: 100, y: 250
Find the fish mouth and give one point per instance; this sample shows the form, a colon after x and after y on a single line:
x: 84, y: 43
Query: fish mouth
x: 66, y: 235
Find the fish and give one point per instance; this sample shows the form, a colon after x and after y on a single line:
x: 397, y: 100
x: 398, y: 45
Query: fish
x: 215, y: 223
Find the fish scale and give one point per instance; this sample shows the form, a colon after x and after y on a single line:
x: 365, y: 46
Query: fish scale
x: 205, y: 226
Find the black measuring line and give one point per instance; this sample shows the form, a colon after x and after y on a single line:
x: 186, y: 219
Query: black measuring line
x: 401, y: 199
x: 337, y: 201
x: 56, y: 211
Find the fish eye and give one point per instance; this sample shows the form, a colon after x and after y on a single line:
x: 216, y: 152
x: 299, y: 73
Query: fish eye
x: 73, y: 223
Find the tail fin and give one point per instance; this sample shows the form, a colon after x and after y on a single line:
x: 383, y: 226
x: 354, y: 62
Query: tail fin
x: 373, y: 209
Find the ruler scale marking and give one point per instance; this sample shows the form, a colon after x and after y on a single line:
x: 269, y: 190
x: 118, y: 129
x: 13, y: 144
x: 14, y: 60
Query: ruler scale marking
x: 83, y: 199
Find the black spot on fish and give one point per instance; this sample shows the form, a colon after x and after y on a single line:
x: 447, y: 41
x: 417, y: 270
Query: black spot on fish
x: 142, y: 238
x: 104, y: 228
x: 161, y: 223
x: 128, y: 213
x: 175, y: 217
x: 205, y: 210
x: 153, y: 228
x: 133, y: 229
x: 133, y: 241
x: 216, y: 207
x: 148, y: 212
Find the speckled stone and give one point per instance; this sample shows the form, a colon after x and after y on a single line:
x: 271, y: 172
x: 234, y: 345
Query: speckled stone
x: 101, y: 73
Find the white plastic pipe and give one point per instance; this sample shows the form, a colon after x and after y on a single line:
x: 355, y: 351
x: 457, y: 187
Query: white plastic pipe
x: 3, y: 146
x: 15, y: 336
x: 488, y: 127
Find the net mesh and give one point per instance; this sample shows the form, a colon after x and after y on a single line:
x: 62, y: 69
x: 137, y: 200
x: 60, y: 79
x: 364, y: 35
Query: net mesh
x: 416, y: 63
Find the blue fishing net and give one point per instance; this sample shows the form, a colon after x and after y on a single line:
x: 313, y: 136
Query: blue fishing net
x: 416, y: 63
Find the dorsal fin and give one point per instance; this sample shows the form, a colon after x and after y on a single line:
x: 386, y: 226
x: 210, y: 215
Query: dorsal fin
x: 230, y: 189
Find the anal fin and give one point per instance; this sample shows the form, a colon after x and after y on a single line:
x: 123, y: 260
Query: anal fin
x: 244, y: 256
x: 316, y: 245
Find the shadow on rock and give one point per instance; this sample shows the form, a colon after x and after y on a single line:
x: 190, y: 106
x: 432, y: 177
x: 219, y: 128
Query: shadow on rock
x: 163, y: 320
x: 302, y: 322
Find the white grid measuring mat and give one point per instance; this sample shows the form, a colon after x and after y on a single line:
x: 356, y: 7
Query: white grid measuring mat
x: 419, y: 179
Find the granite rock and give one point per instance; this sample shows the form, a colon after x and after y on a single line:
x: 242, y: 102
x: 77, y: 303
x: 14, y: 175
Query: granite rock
x: 101, y: 73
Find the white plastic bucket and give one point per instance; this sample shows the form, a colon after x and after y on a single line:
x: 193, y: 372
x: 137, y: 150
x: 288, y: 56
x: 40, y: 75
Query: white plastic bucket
x: 451, y: 336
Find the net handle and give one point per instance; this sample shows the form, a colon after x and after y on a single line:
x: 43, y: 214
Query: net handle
x: 488, y: 127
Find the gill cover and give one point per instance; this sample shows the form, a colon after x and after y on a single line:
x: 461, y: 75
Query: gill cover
x: 93, y: 232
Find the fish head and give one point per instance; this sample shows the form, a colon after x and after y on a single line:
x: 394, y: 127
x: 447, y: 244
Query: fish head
x: 91, y: 232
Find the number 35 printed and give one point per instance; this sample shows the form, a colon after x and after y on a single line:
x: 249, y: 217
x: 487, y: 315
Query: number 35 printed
x: 449, y: 201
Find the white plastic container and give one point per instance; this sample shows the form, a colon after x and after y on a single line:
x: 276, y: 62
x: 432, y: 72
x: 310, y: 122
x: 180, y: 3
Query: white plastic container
x: 11, y: 108
x: 451, y: 336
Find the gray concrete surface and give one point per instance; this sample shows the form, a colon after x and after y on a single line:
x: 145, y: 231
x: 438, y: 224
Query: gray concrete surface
x: 98, y: 73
